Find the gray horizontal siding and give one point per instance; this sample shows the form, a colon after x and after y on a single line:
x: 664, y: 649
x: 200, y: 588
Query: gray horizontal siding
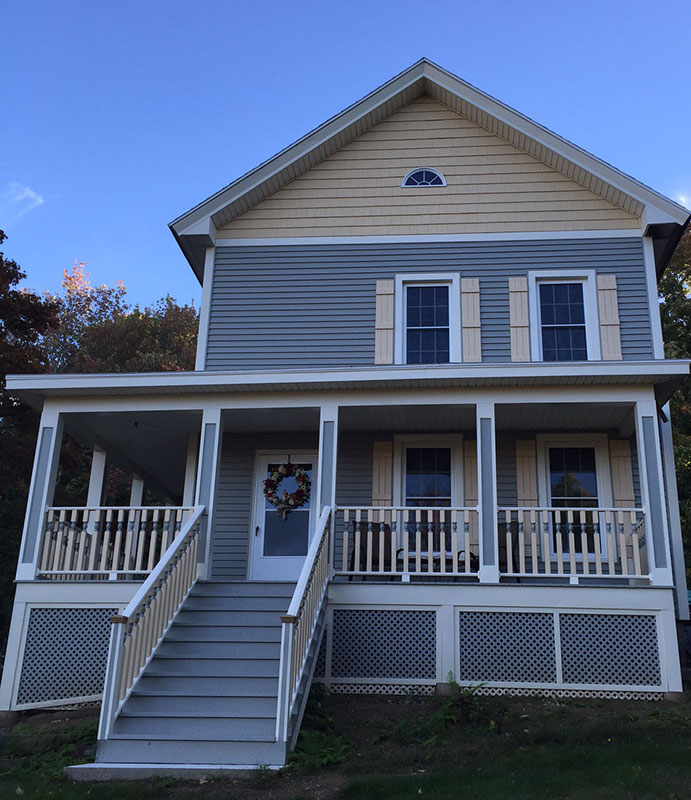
x: 295, y: 306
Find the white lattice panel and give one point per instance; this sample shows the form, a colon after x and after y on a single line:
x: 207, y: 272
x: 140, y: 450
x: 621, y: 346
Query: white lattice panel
x: 610, y: 649
x: 507, y: 646
x: 371, y: 644
x: 65, y: 654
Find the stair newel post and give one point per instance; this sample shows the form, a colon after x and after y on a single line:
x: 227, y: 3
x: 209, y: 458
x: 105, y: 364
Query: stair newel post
x: 284, y: 677
x: 111, y: 686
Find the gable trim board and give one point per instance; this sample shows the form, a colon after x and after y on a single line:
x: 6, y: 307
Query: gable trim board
x: 195, y: 229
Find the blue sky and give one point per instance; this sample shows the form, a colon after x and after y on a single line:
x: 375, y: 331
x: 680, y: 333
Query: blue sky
x: 118, y: 117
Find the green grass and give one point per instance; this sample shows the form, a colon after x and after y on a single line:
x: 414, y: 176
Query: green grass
x: 483, y: 748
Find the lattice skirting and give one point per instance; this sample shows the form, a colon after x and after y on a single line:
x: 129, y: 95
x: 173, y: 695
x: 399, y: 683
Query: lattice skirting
x: 561, y: 653
x: 64, y: 657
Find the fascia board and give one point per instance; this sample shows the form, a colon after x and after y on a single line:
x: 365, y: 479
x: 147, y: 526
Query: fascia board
x: 425, y: 69
x: 327, y: 130
x: 661, y: 369
x: 561, y: 146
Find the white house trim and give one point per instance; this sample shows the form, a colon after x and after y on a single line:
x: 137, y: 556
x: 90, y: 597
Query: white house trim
x: 653, y: 298
x: 205, y: 313
x: 618, y: 233
x: 592, y: 323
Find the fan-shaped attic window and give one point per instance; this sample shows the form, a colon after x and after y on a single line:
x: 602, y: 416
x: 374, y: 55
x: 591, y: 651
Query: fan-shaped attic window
x: 423, y: 176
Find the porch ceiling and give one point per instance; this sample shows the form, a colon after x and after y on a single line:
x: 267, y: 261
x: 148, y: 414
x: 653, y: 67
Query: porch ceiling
x: 407, y: 418
x: 152, y: 444
x: 565, y: 416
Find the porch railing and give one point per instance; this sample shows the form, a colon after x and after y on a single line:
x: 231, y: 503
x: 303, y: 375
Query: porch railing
x: 107, y: 542
x: 299, y: 626
x: 551, y: 541
x: 402, y: 541
x: 138, y: 630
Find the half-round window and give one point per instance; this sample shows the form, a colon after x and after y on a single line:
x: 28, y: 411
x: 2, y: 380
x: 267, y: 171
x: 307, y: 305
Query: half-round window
x: 424, y: 176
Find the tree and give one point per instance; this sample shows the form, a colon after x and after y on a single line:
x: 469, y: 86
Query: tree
x: 675, y: 312
x: 24, y: 318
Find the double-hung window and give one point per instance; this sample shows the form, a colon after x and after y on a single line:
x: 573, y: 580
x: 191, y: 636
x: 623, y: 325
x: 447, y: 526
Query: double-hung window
x: 563, y: 314
x: 427, y: 319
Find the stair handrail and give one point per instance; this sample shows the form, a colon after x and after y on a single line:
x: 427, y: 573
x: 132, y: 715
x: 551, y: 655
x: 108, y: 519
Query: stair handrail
x: 299, y: 624
x: 136, y: 632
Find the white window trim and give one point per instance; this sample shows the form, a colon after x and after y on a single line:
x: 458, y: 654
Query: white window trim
x: 592, y: 324
x: 429, y: 169
x: 452, y: 440
x: 450, y: 279
x: 600, y: 443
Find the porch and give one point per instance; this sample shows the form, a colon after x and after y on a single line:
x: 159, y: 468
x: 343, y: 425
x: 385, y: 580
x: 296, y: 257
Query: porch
x: 494, y: 507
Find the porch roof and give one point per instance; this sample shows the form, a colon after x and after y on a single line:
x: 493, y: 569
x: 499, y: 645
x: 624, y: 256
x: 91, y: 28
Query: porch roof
x: 664, y: 375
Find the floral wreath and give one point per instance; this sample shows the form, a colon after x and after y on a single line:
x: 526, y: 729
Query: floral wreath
x: 285, y: 503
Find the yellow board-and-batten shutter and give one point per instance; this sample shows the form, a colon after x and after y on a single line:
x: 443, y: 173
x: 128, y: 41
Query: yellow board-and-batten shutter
x: 526, y: 473
x: 384, y: 321
x: 382, y: 474
x: 470, y: 472
x: 471, y: 343
x: 623, y: 494
x: 608, y: 309
x: 519, y: 319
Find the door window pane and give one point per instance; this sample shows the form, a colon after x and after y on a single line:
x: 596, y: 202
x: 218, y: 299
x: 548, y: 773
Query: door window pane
x: 428, y: 476
x: 573, y: 485
x: 289, y: 537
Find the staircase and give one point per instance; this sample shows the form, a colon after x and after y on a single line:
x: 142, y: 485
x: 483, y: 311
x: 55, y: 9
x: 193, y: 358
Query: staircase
x: 209, y: 695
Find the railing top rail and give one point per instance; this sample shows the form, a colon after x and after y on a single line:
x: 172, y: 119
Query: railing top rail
x: 570, y: 508
x: 405, y: 508
x: 303, y: 580
x: 154, y: 575
x: 120, y: 508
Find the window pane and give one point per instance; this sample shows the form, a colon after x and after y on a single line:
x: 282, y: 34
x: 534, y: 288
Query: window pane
x: 427, y: 321
x: 562, y: 318
x: 573, y: 478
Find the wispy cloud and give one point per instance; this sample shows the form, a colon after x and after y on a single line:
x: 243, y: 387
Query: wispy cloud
x: 684, y: 199
x: 15, y: 201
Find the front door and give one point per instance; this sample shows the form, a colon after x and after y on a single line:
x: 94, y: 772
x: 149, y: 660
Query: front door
x: 279, y: 546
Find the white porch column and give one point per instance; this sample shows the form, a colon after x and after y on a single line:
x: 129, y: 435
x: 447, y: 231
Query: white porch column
x: 328, y: 449
x: 325, y: 494
x: 40, y: 490
x: 652, y: 493
x: 487, y: 493
x: 97, y: 475
x: 210, y: 444
x: 137, y: 490
x: 190, y: 469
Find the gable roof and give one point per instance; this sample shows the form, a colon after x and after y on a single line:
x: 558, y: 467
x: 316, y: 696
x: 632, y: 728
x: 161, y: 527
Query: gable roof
x: 662, y: 218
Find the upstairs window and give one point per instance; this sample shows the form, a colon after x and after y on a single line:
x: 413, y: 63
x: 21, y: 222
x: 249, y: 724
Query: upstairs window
x: 427, y: 325
x: 563, y: 315
x: 562, y: 322
x: 423, y: 176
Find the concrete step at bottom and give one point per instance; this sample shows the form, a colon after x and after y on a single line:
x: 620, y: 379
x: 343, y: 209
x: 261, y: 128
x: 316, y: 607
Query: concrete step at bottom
x: 156, y: 705
x: 196, y: 728
x: 161, y: 751
x: 207, y: 686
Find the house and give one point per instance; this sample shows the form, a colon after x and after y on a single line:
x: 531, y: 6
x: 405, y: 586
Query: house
x: 427, y: 436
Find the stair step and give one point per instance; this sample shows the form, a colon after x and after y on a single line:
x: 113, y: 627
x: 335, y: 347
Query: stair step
x: 207, y: 686
x: 171, y: 751
x: 196, y: 728
x: 221, y: 667
x: 189, y: 632
x: 217, y: 706
x: 220, y: 602
x: 173, y: 648
x: 244, y: 618
x: 243, y: 589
